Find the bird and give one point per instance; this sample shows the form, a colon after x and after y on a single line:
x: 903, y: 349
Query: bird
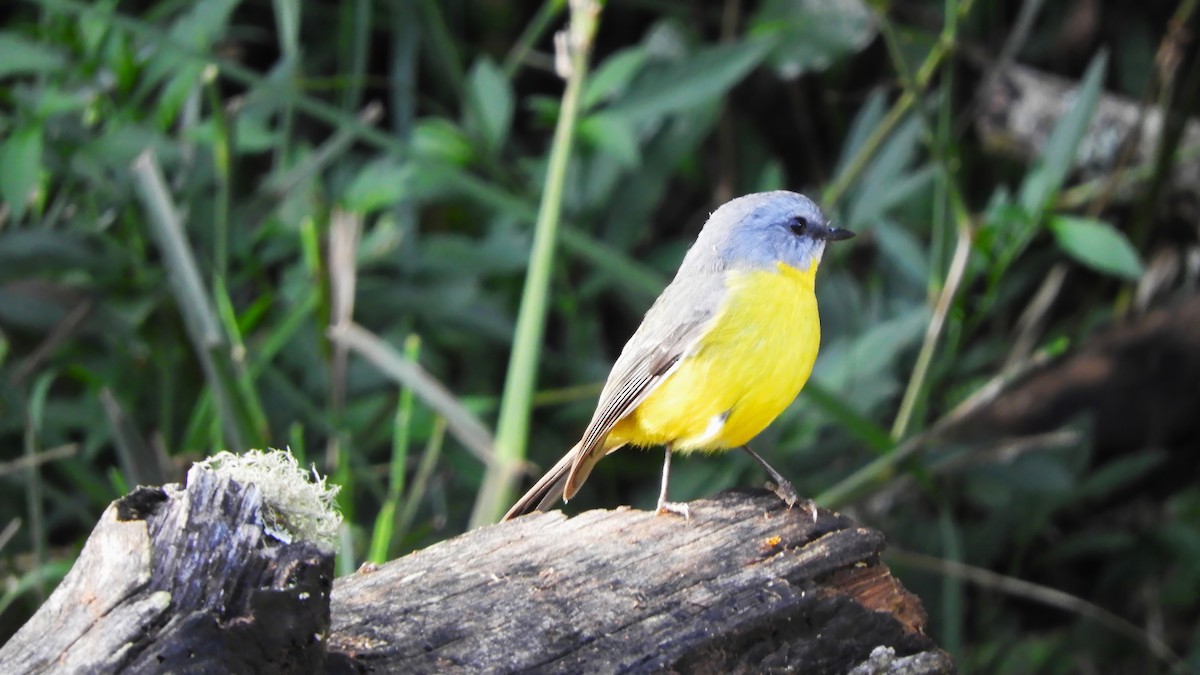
x: 725, y: 348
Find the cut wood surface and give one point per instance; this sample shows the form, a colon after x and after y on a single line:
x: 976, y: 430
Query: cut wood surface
x: 201, y: 580
x: 744, y: 585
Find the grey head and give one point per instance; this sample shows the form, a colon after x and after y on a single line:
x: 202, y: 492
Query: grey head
x: 759, y: 230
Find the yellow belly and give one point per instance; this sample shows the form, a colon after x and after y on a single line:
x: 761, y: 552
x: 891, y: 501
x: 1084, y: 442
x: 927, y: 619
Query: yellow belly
x: 749, y: 366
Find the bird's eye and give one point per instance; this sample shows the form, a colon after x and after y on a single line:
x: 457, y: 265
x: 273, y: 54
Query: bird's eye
x: 799, y: 225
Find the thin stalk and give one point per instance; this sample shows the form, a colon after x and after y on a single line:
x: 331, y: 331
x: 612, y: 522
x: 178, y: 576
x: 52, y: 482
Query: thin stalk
x: 199, y: 316
x: 513, y: 427
x: 139, y: 463
x: 402, y: 76
x: 1052, y: 597
x: 953, y: 593
x: 9, y: 532
x: 296, y: 444
x: 429, y: 458
x: 356, y: 38
x: 402, y: 431
x: 1174, y: 122
x: 464, y: 424
x: 222, y: 151
x: 628, y: 272
x: 276, y: 188
x: 287, y: 22
x: 941, y: 310
x: 546, y: 15
x: 249, y: 401
x: 35, y: 413
x: 1083, y: 194
x: 445, y: 51
x: 949, y: 198
x: 27, y: 462
x: 385, y: 522
x: 852, y: 486
x: 908, y: 98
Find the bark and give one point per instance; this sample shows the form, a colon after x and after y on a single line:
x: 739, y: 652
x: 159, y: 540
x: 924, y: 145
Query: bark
x: 196, y: 580
x: 744, y: 585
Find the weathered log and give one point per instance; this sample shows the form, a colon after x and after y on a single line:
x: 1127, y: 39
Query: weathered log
x: 744, y: 585
x: 203, y: 579
x: 183, y: 580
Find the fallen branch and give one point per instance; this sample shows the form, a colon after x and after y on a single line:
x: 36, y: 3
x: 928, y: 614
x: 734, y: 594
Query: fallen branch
x: 744, y: 584
x: 207, y: 579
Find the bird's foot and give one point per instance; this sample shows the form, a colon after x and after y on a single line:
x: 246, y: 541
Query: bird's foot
x: 673, y: 508
x: 788, y: 494
x: 784, y: 490
x: 811, y: 507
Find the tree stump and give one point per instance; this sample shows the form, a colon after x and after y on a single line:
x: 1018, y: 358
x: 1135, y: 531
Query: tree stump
x: 183, y: 580
x: 197, y: 579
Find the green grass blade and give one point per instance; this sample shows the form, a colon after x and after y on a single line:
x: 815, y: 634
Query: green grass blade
x: 382, y: 537
x: 429, y: 458
x: 1043, y: 183
x: 513, y: 427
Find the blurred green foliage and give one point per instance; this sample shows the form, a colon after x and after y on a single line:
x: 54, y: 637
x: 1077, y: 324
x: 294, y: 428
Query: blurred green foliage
x: 172, y: 173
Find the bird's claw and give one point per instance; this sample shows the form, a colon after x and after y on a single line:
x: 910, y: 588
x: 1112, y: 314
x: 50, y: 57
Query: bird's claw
x: 788, y: 494
x: 674, y: 508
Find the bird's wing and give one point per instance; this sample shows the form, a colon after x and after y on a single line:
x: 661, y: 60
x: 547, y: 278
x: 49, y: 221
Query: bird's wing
x: 669, y: 332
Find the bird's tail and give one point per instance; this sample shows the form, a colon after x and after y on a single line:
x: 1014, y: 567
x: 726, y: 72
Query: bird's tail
x: 547, y: 491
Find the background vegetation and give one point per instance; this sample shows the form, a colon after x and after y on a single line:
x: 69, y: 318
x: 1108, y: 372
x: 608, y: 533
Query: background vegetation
x: 236, y: 224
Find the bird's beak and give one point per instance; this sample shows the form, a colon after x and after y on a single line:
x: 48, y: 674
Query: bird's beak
x: 837, y: 234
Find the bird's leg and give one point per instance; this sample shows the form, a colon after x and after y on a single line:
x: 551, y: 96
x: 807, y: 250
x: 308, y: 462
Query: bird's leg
x: 781, y: 486
x: 665, y: 506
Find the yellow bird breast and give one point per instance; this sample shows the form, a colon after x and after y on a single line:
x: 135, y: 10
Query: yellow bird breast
x: 742, y: 374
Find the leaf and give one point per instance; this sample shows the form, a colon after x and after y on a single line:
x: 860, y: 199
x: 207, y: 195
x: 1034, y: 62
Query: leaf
x: 890, y: 168
x: 52, y: 101
x: 20, y: 167
x: 1119, y: 473
x: 378, y: 185
x: 193, y: 33
x: 700, y: 78
x: 439, y: 140
x: 1036, y: 473
x: 502, y: 251
x: 491, y: 102
x: 1043, y: 183
x: 903, y: 251
x: 869, y: 116
x: 1097, y: 245
x: 810, y: 35
x: 771, y: 177
x: 19, y: 56
x: 613, y: 76
x: 863, y: 369
x: 612, y: 134
x: 38, y: 252
x: 635, y: 197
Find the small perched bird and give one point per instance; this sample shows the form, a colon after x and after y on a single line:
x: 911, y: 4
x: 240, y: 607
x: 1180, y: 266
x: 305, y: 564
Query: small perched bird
x: 725, y: 348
